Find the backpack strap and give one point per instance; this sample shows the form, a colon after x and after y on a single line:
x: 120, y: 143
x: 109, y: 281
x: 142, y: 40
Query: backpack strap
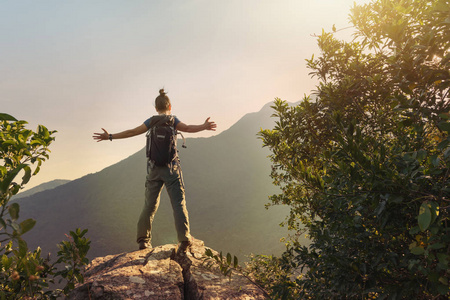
x: 161, y: 119
x: 184, y: 140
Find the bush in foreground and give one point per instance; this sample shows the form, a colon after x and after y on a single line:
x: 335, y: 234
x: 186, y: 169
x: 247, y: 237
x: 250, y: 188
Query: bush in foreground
x: 26, y: 274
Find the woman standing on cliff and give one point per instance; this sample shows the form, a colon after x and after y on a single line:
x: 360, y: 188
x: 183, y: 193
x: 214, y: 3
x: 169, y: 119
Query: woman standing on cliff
x: 168, y: 174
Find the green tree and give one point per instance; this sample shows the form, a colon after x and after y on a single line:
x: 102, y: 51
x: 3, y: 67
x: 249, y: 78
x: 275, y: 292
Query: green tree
x: 364, y: 166
x: 25, y: 274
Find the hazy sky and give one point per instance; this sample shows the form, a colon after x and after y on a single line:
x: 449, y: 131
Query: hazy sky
x: 77, y: 66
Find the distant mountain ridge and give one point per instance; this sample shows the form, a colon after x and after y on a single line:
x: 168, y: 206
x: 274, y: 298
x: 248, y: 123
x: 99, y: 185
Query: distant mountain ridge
x: 227, y: 180
x: 42, y: 187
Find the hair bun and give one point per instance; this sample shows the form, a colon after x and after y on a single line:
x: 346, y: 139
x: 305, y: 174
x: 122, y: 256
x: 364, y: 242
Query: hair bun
x: 161, y: 92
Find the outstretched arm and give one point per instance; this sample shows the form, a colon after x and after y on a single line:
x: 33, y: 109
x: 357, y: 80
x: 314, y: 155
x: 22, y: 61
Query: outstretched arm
x: 121, y: 135
x: 196, y: 128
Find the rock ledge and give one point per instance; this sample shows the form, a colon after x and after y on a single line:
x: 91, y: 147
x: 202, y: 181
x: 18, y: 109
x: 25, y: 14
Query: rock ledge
x: 161, y: 273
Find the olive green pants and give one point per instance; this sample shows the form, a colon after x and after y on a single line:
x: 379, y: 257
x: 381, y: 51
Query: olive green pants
x: 157, y: 177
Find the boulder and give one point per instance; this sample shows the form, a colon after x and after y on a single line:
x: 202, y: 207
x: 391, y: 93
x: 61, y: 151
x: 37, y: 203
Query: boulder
x: 161, y: 273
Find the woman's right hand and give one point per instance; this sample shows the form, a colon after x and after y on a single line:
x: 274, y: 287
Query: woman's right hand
x: 101, y: 136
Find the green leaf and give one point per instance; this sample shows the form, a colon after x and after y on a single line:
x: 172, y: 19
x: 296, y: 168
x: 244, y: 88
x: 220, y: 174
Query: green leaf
x: 4, y: 185
x: 443, y: 258
x: 235, y: 262
x: 447, y: 153
x: 396, y: 199
x: 443, y: 289
x: 421, y: 155
x: 23, y: 248
x: 414, y: 230
x: 434, y: 159
x: 10, y: 142
x: 3, y: 171
x: 436, y: 246
x: 6, y: 262
x: 6, y: 117
x: 44, y: 131
x: 27, y: 175
x: 13, y: 210
x: 444, y: 126
x: 36, y: 170
x: 16, y: 228
x: 445, y: 116
x: 208, y: 252
x: 434, y: 209
x: 417, y: 250
x: 27, y: 225
x: 229, y: 259
x: 444, y: 144
x: 15, y: 189
x: 407, y: 122
x: 380, y: 208
x: 424, y: 216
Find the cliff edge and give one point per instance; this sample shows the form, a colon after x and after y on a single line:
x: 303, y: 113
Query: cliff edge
x: 161, y: 273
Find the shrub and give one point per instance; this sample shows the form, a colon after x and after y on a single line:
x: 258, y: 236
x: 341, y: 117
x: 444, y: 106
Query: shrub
x: 26, y: 274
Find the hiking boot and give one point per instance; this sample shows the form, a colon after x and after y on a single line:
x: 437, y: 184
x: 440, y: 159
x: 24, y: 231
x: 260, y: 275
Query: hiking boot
x: 144, y: 245
x: 184, y: 246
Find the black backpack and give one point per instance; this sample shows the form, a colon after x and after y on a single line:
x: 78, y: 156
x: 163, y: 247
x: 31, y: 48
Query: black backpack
x: 161, y: 146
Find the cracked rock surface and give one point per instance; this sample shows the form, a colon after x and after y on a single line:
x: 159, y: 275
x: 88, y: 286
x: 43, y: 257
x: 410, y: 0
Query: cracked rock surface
x: 161, y: 273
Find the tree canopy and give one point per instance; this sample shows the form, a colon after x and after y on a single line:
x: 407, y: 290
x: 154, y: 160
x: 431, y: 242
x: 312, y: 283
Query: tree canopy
x: 364, y: 164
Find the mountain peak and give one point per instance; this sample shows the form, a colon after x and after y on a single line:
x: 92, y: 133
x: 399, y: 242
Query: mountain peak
x: 161, y: 273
